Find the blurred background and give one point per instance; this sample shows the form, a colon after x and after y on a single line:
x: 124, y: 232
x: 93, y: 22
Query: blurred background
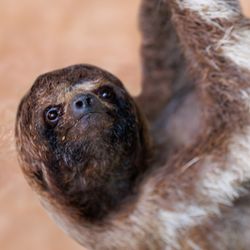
x: 245, y: 4
x: 39, y: 36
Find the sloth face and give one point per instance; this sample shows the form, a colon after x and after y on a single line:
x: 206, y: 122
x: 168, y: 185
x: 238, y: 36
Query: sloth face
x: 79, y: 134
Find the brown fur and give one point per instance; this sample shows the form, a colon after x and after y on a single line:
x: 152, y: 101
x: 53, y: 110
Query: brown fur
x: 157, y: 199
x: 163, y: 62
x: 72, y: 156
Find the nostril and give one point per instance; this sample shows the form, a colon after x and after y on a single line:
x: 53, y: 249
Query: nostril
x: 88, y: 101
x: 82, y: 103
x: 79, y: 104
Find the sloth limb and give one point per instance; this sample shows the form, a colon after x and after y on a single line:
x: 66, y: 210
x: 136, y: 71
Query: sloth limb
x: 164, y: 66
x: 168, y: 94
x: 88, y: 154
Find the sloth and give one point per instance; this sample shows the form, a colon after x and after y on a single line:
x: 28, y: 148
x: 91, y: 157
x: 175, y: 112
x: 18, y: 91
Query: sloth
x: 169, y: 169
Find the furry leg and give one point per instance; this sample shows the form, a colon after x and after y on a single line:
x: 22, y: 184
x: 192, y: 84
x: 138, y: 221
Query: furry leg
x: 164, y: 67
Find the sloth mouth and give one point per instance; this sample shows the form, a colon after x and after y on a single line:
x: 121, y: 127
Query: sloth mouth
x: 87, y: 114
x: 86, y: 117
x: 86, y: 120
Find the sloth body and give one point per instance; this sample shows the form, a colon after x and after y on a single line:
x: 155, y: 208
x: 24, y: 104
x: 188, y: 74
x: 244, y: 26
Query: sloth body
x: 112, y: 171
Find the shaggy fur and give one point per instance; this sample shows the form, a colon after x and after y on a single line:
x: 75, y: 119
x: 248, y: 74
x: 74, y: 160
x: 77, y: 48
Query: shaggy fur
x: 128, y: 187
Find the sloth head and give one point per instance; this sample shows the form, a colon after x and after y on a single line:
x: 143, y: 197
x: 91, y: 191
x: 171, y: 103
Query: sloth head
x: 81, y: 140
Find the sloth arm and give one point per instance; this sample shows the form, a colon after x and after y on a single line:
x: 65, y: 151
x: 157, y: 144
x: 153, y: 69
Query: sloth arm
x: 168, y: 95
x: 163, y: 64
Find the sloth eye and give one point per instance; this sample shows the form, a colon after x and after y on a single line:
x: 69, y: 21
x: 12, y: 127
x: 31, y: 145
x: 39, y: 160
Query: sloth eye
x: 52, y: 115
x: 106, y: 93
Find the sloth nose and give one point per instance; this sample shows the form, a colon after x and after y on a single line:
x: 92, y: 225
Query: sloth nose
x: 83, y: 104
